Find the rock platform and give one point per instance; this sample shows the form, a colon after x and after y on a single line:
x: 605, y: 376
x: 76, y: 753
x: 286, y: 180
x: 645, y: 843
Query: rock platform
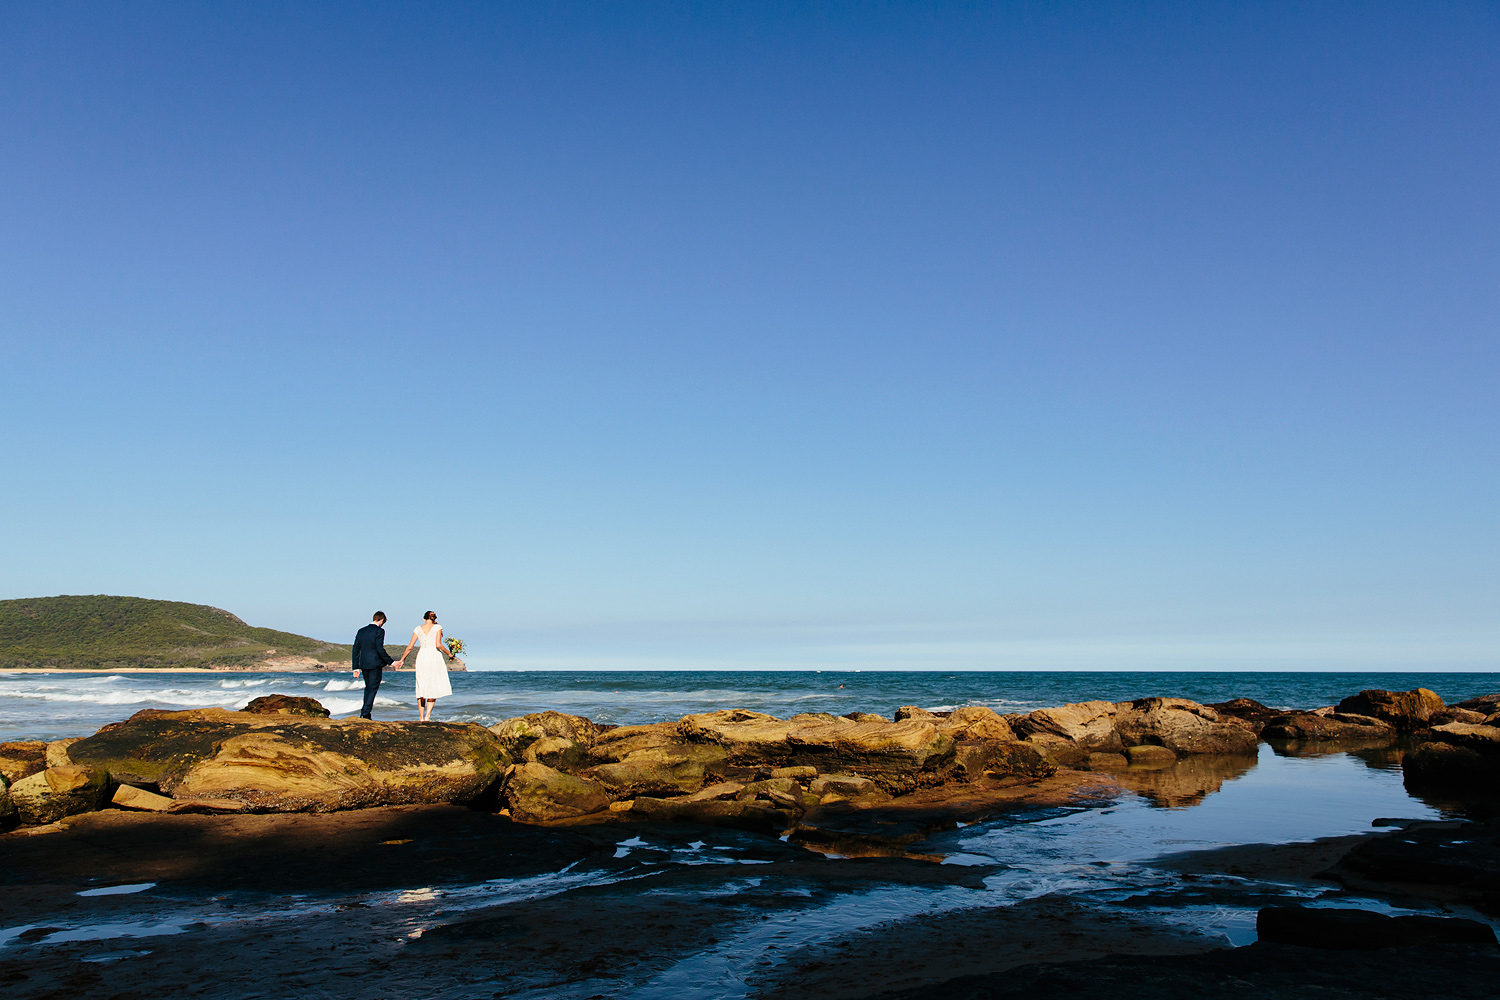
x: 851, y: 783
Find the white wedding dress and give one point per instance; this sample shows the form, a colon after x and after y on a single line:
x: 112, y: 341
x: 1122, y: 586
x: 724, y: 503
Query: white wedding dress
x: 432, y: 668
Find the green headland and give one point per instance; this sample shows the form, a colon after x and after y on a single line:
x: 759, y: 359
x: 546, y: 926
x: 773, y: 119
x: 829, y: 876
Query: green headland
x: 124, y: 633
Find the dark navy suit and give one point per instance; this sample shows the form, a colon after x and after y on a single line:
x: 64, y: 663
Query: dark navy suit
x: 371, y: 659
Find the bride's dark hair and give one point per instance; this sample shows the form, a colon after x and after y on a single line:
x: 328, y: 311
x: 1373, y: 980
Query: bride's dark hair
x: 430, y: 616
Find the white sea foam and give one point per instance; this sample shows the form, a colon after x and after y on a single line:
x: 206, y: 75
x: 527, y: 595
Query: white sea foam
x: 341, y: 685
x: 201, y: 698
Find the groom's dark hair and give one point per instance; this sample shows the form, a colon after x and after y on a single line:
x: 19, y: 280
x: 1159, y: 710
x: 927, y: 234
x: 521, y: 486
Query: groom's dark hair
x: 378, y: 616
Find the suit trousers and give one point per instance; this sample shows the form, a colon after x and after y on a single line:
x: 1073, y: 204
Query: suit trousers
x: 372, y: 684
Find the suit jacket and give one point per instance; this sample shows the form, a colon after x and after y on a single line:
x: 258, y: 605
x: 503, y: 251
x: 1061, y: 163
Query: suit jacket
x: 369, y: 648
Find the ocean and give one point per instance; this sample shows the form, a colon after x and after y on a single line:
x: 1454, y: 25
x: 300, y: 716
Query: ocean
x: 58, y: 705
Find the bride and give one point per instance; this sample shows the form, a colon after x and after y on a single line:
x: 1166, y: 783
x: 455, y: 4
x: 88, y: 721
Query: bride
x: 432, y: 672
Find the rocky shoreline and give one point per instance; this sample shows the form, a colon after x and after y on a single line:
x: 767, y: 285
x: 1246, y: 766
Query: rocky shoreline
x: 390, y: 826
x: 858, y: 782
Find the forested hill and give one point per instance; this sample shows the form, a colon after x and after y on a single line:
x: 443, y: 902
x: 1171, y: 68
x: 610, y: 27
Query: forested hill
x: 118, y: 633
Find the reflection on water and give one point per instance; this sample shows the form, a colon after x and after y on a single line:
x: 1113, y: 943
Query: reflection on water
x: 1213, y: 802
x: 1187, y: 781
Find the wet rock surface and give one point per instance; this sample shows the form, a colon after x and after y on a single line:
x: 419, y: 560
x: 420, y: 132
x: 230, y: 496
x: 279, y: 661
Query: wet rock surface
x: 1268, y: 971
x: 1347, y: 929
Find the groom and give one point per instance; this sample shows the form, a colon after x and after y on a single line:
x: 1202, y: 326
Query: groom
x: 371, y: 659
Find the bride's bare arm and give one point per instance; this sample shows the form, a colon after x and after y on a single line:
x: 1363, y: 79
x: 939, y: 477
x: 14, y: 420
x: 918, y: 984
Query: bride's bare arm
x: 412, y: 642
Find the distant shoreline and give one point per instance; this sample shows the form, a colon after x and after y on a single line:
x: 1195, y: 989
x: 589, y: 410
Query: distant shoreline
x: 169, y: 670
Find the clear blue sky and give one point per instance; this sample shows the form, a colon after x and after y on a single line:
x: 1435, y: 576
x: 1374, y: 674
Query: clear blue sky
x: 753, y: 334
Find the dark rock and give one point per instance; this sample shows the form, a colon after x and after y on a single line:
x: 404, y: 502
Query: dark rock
x: 1336, y: 726
x: 1249, y: 711
x: 1453, y: 713
x: 1364, y: 930
x: 1107, y: 762
x: 1455, y: 856
x: 1149, y: 755
x: 913, y: 712
x: 1406, y: 710
x: 285, y: 704
x: 1484, y: 739
x: 1262, y: 971
x: 1489, y: 704
x: 22, y: 759
x: 755, y: 815
x: 1453, y: 768
x: 1013, y: 759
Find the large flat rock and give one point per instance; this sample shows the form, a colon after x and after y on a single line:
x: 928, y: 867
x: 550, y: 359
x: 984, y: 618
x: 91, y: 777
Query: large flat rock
x: 289, y: 763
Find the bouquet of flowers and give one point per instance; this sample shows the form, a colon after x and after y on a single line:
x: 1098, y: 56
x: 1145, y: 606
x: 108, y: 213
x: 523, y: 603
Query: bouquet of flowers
x: 455, y: 646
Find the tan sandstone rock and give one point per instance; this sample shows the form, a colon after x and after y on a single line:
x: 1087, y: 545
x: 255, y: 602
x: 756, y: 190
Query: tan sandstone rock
x: 1149, y: 756
x: 619, y: 743
x: 517, y: 734
x: 1182, y: 726
x: 1406, y: 710
x: 22, y: 758
x: 286, y: 763
x: 975, y: 722
x: 57, y: 752
x: 130, y: 797
x: 556, y: 752
x: 747, y: 737
x: 636, y: 776
x: 537, y: 793
x: 1087, y: 725
x: 722, y: 790
x: 48, y: 796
